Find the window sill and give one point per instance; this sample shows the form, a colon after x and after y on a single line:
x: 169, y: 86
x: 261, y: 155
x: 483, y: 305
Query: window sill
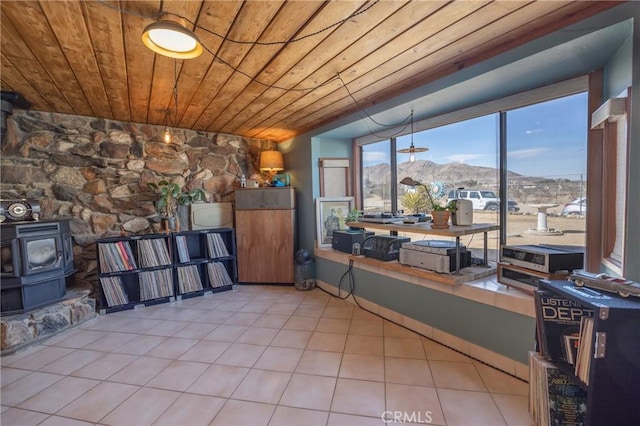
x: 485, y: 289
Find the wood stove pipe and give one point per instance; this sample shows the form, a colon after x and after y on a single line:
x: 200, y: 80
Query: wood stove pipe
x: 7, y: 101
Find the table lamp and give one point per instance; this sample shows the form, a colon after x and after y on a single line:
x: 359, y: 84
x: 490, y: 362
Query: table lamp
x: 271, y: 162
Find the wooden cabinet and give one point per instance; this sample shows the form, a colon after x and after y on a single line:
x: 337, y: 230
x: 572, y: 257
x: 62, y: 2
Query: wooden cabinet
x: 265, y: 235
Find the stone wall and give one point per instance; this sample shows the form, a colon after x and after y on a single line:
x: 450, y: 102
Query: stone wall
x: 96, y: 172
x: 21, y: 330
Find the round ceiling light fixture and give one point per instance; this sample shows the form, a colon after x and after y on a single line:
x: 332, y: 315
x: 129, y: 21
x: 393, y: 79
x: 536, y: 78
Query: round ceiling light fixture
x: 173, y: 39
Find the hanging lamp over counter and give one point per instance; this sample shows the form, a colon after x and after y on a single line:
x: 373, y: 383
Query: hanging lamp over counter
x: 412, y: 149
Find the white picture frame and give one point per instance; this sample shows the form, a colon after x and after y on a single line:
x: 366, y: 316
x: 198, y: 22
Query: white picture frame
x: 330, y: 214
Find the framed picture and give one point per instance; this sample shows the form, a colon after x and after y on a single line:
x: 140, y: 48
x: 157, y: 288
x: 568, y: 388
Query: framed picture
x: 330, y: 214
x: 282, y: 179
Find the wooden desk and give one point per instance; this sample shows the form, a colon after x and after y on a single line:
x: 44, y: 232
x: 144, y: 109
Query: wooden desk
x: 425, y: 228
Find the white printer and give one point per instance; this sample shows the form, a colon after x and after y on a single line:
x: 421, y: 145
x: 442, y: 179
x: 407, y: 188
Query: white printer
x: 434, y: 255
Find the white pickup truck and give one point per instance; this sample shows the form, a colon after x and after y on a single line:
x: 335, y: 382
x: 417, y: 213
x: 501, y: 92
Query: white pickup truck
x: 482, y: 199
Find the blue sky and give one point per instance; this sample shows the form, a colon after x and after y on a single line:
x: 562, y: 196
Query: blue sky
x: 546, y: 139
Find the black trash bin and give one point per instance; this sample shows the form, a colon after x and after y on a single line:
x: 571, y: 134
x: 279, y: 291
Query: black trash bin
x: 303, y: 279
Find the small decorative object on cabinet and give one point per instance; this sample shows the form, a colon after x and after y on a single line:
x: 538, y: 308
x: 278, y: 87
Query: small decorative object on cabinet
x: 159, y: 268
x: 266, y: 234
x: 591, y: 337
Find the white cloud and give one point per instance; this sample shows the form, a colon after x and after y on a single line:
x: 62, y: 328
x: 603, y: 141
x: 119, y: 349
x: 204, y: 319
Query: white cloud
x: 375, y: 157
x: 527, y: 153
x: 463, y: 158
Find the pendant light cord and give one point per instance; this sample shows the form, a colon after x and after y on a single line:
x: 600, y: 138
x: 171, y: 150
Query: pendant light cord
x: 225, y: 38
x: 175, y: 88
x: 267, y: 85
x: 285, y: 42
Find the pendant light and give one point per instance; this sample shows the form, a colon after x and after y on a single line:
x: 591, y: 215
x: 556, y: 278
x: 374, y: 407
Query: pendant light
x: 167, y: 136
x: 412, y: 149
x: 170, y: 37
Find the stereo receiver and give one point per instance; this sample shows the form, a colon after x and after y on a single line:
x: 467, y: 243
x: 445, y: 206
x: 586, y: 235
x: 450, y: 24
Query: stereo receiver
x: 547, y: 259
x: 525, y: 279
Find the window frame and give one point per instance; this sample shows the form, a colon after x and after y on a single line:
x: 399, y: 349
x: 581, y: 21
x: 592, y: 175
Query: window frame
x: 612, y: 253
x: 496, y: 106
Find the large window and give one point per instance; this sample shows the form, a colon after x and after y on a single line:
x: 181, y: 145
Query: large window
x: 544, y: 139
x: 461, y: 155
x: 376, y: 177
x: 547, y: 163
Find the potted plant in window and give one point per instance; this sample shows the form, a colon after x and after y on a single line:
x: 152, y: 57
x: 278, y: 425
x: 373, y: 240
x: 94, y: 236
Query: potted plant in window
x: 353, y: 216
x: 440, y: 213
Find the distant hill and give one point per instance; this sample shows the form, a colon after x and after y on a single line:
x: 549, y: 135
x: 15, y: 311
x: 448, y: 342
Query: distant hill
x: 525, y: 189
x: 453, y: 175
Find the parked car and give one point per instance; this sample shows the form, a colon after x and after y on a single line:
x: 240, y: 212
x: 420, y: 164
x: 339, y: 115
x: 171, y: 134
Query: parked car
x: 482, y: 199
x: 512, y: 206
x: 577, y: 207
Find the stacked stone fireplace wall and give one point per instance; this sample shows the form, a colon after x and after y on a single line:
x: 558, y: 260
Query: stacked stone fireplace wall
x: 96, y: 172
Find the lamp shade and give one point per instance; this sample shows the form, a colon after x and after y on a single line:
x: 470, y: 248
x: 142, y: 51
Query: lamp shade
x: 171, y: 39
x: 410, y: 182
x: 271, y: 161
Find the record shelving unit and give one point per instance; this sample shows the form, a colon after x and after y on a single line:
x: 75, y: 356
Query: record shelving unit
x: 159, y: 268
x: 205, y: 261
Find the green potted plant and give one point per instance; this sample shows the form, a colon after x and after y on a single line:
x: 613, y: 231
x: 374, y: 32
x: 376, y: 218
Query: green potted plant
x: 172, y: 197
x: 353, y: 216
x: 440, y: 214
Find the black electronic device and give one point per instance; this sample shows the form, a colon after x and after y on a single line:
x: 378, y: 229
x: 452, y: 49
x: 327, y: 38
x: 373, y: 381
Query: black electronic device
x: 344, y: 240
x: 383, y: 247
x: 540, y: 258
x: 19, y: 210
x: 606, y: 360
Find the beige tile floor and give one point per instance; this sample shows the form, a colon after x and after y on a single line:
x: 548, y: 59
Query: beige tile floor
x: 256, y: 355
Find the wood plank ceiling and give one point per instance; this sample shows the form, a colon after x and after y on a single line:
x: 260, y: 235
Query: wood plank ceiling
x: 87, y: 57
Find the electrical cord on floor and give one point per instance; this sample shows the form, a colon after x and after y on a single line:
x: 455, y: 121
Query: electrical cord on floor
x: 349, y: 273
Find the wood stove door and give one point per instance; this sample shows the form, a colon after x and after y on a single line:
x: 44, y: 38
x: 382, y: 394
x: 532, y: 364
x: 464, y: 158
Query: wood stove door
x: 41, y: 253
